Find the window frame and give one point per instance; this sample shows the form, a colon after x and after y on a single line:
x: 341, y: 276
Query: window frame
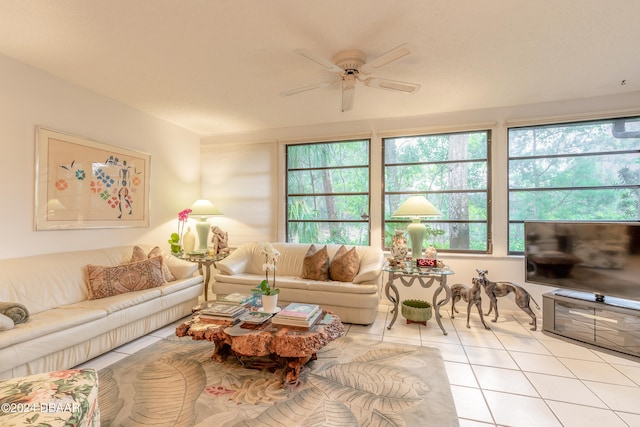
x: 487, y: 190
x: 585, y: 121
x: 287, y: 195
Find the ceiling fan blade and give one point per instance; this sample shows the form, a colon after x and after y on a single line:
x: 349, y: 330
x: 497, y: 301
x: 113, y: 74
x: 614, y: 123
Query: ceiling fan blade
x: 394, y: 54
x: 317, y: 59
x: 348, y: 92
x: 310, y: 87
x: 391, y: 85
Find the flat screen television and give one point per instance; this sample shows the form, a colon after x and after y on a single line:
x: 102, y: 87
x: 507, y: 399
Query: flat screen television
x: 599, y: 258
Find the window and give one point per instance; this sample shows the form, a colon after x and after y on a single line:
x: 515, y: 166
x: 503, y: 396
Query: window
x: 328, y: 192
x: 452, y: 171
x: 573, y: 171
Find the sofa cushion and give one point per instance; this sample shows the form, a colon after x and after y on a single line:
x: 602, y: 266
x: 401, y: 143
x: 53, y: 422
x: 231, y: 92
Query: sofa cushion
x: 139, y: 255
x: 345, y: 265
x: 316, y: 264
x: 6, y: 323
x: 180, y: 268
x: 109, y: 281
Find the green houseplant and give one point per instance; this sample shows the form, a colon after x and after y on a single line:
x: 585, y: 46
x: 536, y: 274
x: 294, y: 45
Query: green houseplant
x: 269, y: 291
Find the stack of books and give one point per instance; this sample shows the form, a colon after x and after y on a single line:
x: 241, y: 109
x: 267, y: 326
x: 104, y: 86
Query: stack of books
x: 222, y: 313
x: 298, y: 314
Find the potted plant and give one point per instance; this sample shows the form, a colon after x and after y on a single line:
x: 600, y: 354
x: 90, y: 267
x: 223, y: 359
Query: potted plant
x: 176, y: 238
x: 269, y: 292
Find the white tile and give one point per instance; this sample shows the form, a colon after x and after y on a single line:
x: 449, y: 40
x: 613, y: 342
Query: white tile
x: 490, y: 357
x: 512, y: 329
x: 460, y: 374
x: 505, y: 380
x: 376, y: 328
x: 434, y: 334
x: 617, y: 397
x: 564, y: 389
x: 450, y: 352
x: 631, y: 419
x: 561, y: 348
x: 596, y: 371
x: 632, y: 372
x: 522, y: 411
x: 480, y: 340
x: 583, y: 416
x: 470, y: 423
x: 525, y: 345
x: 618, y: 359
x: 470, y: 404
x: 550, y: 365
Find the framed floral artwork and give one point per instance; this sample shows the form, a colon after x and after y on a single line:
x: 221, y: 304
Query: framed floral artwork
x: 82, y: 183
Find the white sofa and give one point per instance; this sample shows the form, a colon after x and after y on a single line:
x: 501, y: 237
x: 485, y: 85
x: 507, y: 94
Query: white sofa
x: 354, y: 302
x: 64, y: 327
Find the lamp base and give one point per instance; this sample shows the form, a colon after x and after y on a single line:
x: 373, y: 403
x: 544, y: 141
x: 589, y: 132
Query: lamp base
x: 202, y: 227
x: 416, y: 232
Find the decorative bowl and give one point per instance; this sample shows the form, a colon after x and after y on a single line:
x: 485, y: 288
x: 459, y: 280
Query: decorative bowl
x: 416, y: 310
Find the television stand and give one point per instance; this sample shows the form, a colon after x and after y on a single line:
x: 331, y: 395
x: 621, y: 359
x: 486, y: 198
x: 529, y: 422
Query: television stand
x: 612, y: 323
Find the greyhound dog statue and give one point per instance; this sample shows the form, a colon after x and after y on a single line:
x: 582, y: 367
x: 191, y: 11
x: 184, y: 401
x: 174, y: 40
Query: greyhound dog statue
x: 472, y: 296
x: 501, y: 289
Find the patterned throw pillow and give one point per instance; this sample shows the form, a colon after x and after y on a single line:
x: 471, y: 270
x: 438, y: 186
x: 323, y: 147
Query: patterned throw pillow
x: 109, y: 281
x: 316, y: 264
x: 344, y: 265
x: 139, y: 255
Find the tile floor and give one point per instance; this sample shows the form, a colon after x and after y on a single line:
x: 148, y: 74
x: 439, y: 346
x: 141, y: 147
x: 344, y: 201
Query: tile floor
x: 506, y: 376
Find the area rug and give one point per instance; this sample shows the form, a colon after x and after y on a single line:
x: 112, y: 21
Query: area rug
x: 354, y: 382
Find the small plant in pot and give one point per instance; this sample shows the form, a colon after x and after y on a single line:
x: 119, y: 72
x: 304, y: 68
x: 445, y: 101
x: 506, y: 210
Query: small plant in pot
x: 416, y: 311
x: 268, y: 291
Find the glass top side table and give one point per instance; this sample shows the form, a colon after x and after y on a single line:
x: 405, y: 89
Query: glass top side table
x: 426, y: 277
x: 205, y: 261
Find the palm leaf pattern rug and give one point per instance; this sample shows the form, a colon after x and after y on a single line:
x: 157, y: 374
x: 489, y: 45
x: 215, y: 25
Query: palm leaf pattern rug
x: 354, y: 382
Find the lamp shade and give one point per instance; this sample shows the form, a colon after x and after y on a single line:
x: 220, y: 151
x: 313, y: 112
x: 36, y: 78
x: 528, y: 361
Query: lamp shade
x: 204, y: 207
x: 416, y: 207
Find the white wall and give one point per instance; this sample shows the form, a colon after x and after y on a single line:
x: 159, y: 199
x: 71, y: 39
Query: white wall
x: 501, y: 267
x: 29, y: 98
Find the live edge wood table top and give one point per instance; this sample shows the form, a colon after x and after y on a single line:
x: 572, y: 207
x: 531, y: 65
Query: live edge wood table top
x: 292, y: 347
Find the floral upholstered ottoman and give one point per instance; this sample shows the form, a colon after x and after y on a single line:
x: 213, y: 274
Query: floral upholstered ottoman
x: 59, y: 398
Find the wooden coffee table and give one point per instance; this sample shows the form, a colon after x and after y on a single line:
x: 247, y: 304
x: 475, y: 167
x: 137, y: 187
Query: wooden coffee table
x: 290, y: 347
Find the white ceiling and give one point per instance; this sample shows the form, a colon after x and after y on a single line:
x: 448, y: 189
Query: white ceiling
x: 218, y: 66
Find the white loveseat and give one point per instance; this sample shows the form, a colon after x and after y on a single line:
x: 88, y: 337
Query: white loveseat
x: 64, y: 327
x: 354, y: 302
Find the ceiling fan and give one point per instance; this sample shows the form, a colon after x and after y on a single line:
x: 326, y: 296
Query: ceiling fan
x: 350, y: 66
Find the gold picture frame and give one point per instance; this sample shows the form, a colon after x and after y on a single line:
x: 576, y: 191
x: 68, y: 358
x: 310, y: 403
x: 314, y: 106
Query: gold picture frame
x: 82, y: 183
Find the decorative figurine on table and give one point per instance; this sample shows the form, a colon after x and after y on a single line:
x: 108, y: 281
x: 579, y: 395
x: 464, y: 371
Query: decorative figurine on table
x: 220, y: 241
x: 501, y: 289
x: 399, y: 248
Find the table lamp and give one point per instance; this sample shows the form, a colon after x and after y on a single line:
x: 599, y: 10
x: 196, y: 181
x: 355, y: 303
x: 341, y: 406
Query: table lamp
x: 204, y: 209
x: 416, y: 208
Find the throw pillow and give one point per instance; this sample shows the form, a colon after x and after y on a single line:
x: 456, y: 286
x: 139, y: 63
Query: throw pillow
x: 139, y: 255
x: 6, y: 323
x: 18, y: 313
x: 344, y: 265
x: 104, y: 282
x: 180, y: 268
x: 316, y: 264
